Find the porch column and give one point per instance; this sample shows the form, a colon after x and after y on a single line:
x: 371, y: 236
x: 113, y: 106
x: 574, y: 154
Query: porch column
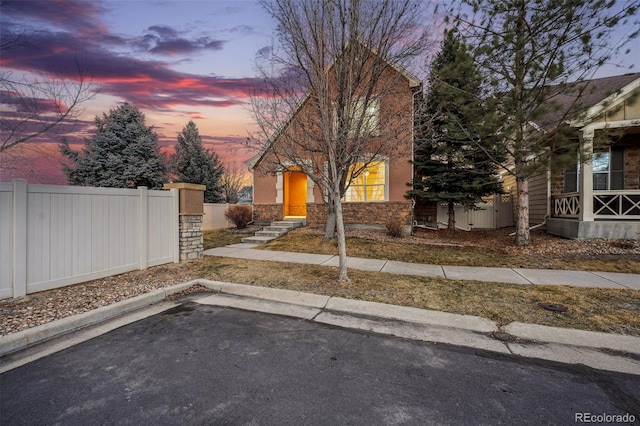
x: 586, y: 176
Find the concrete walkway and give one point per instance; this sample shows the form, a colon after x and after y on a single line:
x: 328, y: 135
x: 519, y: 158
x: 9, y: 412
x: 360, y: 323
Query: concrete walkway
x: 501, y: 275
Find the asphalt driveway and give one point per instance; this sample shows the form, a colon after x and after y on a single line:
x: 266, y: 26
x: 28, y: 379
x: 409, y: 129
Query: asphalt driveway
x: 198, y: 364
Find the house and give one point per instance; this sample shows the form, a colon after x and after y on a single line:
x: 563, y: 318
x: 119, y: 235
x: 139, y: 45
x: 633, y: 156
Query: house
x: 599, y: 197
x: 245, y: 195
x: 375, y: 195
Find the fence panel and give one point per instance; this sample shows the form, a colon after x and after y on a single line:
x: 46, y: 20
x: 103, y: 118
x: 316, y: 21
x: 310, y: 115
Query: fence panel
x: 162, y: 228
x: 6, y: 239
x: 214, y: 217
x: 75, y: 234
x: 496, y: 212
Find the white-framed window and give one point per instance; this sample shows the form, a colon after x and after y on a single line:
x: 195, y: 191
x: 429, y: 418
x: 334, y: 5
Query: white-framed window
x: 600, y: 166
x: 366, y: 113
x: 607, y: 167
x: 370, y: 185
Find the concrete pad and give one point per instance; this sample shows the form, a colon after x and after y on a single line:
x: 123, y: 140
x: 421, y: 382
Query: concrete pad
x: 627, y: 280
x: 358, y: 263
x: 306, y: 258
x: 257, y: 305
x: 273, y: 294
x: 573, y: 355
x: 415, y: 315
x: 422, y: 332
x: 221, y: 251
x: 558, y: 277
x: 497, y: 275
x: 405, y: 268
x: 567, y: 336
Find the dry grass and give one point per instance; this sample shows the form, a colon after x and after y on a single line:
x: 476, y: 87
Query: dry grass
x: 225, y: 237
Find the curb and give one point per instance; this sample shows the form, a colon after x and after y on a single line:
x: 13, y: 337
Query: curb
x: 327, y: 305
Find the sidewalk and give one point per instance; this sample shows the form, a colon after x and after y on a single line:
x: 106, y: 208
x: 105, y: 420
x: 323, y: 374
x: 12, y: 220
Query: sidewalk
x: 500, y: 275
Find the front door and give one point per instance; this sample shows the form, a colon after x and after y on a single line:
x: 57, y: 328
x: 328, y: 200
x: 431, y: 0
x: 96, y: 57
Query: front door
x: 295, y: 193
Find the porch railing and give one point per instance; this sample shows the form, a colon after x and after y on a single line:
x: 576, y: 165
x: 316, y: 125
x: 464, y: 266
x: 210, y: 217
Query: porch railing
x: 616, y: 204
x: 624, y: 204
x: 566, y: 205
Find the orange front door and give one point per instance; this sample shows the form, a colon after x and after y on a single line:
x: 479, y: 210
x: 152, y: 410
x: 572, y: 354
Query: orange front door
x: 295, y: 193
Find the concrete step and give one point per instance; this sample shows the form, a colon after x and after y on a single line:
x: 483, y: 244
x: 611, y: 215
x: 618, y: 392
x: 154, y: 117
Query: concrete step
x: 271, y: 233
x: 288, y: 223
x: 257, y: 239
x: 277, y: 228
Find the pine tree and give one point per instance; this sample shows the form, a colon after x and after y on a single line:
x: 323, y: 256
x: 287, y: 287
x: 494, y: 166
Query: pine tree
x: 193, y: 163
x: 123, y: 153
x: 538, y: 54
x: 450, y: 158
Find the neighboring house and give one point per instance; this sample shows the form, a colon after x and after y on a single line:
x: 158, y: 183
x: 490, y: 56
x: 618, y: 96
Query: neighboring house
x: 374, y: 197
x: 245, y: 195
x: 599, y: 198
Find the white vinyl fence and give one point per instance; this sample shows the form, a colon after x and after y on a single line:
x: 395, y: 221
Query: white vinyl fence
x: 214, y: 217
x: 53, y: 236
x: 495, y: 212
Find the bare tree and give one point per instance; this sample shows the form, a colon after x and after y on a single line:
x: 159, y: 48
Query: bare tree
x: 336, y: 61
x: 37, y: 105
x: 33, y: 105
x: 232, y: 181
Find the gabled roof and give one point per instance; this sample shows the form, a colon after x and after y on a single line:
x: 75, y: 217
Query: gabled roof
x: 597, y: 95
x: 411, y: 79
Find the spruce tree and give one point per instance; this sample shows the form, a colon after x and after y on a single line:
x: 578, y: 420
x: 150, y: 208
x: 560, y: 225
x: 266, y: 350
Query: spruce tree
x: 450, y: 161
x: 193, y: 163
x: 123, y: 153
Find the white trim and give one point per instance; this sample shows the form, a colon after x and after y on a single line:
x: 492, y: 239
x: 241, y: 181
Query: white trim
x: 606, y: 104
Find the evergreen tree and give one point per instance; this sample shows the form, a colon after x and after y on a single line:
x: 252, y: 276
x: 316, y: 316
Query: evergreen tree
x: 451, y: 162
x: 193, y: 163
x: 123, y: 153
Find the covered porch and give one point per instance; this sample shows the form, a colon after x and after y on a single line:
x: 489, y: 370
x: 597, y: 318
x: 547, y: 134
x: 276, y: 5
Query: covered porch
x: 605, y: 201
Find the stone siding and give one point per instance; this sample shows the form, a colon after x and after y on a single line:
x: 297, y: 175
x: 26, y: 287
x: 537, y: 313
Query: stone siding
x: 267, y: 213
x: 632, y: 167
x: 191, y: 242
x: 363, y: 213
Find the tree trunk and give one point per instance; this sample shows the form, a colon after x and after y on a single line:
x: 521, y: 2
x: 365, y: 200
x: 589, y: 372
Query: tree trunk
x: 523, y: 236
x: 342, y: 243
x: 451, y: 224
x: 330, y: 227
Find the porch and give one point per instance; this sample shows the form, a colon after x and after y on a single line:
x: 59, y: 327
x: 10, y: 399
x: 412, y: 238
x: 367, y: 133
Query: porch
x: 614, y: 214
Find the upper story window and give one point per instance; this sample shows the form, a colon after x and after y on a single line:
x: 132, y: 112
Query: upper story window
x: 369, y: 185
x: 365, y: 114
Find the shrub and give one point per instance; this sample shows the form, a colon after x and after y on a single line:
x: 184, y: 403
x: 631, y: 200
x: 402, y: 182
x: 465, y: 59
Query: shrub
x: 239, y: 215
x: 394, y: 228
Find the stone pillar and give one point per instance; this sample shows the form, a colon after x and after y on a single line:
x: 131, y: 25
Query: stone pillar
x: 191, y: 212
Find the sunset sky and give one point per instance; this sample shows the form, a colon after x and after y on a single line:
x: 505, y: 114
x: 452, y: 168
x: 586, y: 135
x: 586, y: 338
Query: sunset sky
x: 174, y: 60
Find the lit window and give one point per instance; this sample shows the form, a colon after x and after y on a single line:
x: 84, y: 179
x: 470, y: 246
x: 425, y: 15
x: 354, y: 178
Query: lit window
x: 369, y: 185
x: 367, y: 115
